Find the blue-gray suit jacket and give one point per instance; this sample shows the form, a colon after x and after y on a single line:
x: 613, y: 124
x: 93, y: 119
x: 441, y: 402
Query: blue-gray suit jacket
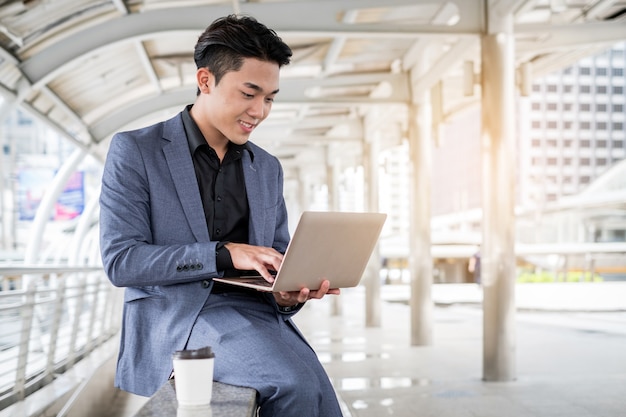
x: 154, y: 241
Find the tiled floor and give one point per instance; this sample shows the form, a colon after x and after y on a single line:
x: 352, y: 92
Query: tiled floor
x: 567, y: 363
x: 570, y: 358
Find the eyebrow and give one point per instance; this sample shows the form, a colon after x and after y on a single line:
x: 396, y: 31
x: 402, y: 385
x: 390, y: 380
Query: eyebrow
x: 258, y: 88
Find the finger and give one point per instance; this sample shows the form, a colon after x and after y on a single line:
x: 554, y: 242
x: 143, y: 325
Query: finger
x: 321, y: 292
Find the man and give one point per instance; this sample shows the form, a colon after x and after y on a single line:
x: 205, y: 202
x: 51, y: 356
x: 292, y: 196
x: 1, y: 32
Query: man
x: 190, y: 199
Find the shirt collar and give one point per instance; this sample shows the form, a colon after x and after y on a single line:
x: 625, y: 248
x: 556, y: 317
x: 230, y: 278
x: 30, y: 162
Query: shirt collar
x: 195, y: 138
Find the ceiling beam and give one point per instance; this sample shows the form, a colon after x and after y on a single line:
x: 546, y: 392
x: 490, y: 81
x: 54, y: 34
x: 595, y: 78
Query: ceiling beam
x: 549, y: 38
x: 292, y: 91
x: 307, y: 18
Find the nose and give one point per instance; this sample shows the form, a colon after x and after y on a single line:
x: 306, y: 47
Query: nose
x: 259, y: 109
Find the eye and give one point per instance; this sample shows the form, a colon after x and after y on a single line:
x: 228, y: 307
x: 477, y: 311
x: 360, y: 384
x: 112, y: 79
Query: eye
x: 270, y: 99
x: 246, y: 95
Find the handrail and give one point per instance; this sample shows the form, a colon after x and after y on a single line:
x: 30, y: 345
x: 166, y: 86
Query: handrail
x: 50, y: 317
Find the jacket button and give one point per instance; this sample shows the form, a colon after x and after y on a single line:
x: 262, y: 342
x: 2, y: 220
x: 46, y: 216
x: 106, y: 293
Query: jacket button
x: 206, y: 283
x: 199, y: 266
x: 179, y: 268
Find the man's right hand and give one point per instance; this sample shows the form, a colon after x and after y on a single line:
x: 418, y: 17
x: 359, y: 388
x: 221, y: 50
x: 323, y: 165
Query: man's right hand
x: 259, y: 258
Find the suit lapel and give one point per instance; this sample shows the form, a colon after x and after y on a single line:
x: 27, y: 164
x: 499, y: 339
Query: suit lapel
x: 178, y: 159
x: 255, y: 200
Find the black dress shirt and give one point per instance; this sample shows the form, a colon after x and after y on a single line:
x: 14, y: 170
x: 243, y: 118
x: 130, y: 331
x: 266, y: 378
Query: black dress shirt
x: 223, y: 190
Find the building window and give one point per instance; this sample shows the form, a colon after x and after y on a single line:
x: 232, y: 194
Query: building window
x: 601, y: 71
x: 585, y: 125
x: 552, y: 106
x: 585, y: 179
x: 618, y: 108
x: 567, y: 106
x: 584, y: 71
x: 536, y: 124
x: 585, y: 161
x: 551, y: 143
x: 618, y: 144
x: 601, y: 107
x: 551, y: 162
x: 536, y: 88
x: 552, y: 88
x: 618, y: 89
x: 617, y: 126
x: 567, y: 143
x: 567, y: 161
x: 601, y: 89
x: 584, y: 107
x: 601, y: 161
x: 536, y: 143
x: 601, y: 143
x: 617, y: 72
x: 585, y: 143
x: 536, y: 106
x: 551, y: 124
x: 600, y: 125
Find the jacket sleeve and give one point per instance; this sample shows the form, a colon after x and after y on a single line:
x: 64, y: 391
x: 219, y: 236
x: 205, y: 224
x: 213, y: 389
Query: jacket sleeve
x: 136, y: 185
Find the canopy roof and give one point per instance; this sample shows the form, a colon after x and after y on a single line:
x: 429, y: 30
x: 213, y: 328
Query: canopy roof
x: 92, y: 67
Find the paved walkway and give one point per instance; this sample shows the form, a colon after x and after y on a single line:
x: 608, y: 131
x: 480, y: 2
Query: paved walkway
x: 570, y: 359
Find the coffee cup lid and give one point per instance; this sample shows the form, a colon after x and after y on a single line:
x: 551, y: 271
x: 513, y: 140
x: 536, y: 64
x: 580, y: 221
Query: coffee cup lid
x: 202, y: 353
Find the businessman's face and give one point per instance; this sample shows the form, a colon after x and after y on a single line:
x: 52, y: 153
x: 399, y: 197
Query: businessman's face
x: 241, y: 100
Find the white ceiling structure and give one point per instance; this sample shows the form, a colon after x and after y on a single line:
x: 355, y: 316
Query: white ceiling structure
x: 89, y: 68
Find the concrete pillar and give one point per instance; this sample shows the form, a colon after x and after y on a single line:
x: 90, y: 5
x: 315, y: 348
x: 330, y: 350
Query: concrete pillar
x: 373, y: 301
x: 332, y: 182
x: 420, y: 258
x: 498, y: 245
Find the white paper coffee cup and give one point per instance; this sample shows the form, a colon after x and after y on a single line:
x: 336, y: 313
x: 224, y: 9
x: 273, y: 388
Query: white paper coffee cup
x: 193, y: 376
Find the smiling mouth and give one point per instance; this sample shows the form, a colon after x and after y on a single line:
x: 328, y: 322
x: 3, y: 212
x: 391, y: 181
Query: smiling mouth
x: 247, y: 125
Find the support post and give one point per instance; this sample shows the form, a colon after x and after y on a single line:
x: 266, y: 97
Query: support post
x: 498, y: 244
x: 420, y: 257
x: 373, y: 302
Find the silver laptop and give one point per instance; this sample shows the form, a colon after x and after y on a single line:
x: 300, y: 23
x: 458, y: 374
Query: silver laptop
x: 325, y: 245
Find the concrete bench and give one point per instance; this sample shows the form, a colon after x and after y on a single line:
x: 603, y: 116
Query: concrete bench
x: 227, y: 401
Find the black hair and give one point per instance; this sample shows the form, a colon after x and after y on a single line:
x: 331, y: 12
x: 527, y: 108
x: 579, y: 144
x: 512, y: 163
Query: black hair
x: 223, y: 46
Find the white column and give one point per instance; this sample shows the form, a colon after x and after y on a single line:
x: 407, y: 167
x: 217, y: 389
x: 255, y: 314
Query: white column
x: 420, y: 258
x: 373, y: 301
x: 498, y: 245
x: 332, y: 182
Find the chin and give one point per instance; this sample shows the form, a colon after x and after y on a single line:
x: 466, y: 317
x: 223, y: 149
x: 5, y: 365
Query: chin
x: 240, y: 140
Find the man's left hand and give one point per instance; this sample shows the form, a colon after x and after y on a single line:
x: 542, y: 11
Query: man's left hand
x: 291, y: 298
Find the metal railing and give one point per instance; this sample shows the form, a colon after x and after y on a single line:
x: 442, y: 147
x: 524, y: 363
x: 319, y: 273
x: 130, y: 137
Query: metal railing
x: 51, y: 317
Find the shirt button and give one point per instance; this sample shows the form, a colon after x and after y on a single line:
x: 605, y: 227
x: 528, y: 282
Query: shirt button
x: 219, y: 198
x: 218, y: 231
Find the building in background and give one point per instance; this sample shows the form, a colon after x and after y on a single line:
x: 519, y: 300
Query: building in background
x: 572, y: 128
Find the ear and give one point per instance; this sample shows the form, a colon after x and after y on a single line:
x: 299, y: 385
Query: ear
x: 204, y: 78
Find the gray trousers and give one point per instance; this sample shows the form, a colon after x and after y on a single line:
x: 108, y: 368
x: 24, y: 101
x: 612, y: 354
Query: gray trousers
x: 256, y: 347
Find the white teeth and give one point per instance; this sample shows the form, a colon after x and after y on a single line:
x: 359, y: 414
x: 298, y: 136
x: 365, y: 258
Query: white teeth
x: 248, y: 125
